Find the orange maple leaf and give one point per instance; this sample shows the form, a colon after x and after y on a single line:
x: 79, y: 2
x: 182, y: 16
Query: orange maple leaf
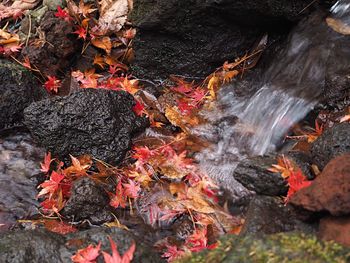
x: 116, y: 257
x: 87, y: 255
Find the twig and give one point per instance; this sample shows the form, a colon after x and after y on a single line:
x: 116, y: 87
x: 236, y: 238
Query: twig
x: 30, y: 29
x: 306, y: 7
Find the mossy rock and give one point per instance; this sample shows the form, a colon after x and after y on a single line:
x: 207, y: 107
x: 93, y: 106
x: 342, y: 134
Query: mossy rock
x: 279, y: 248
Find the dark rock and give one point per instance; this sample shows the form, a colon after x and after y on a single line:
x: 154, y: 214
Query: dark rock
x: 303, y: 160
x: 269, y: 215
x: 46, y: 247
x: 18, y: 88
x: 32, y: 246
x: 329, y: 191
x: 56, y: 54
x: 336, y: 229
x: 88, y: 201
x: 253, y: 174
x: 19, y: 159
x: 286, y: 247
x: 194, y: 37
x: 91, y: 121
x: 331, y: 143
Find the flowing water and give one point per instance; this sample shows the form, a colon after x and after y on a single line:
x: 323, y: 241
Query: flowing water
x: 19, y: 163
x: 254, y: 125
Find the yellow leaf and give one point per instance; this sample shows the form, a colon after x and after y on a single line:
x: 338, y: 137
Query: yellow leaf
x: 99, y: 60
x: 213, y: 85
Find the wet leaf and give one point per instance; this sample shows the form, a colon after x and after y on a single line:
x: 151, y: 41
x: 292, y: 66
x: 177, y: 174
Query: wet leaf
x: 87, y: 255
x: 116, y: 257
x: 338, y: 26
x: 58, y: 227
x: 103, y: 43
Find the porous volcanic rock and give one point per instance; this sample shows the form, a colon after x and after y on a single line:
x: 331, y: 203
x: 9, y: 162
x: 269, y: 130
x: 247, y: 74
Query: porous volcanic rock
x: 88, y: 200
x: 336, y: 229
x: 269, y: 215
x: 58, y: 52
x: 333, y: 142
x: 43, y: 246
x: 329, y: 191
x: 18, y: 88
x: 90, y: 121
x: 253, y: 174
x: 194, y: 37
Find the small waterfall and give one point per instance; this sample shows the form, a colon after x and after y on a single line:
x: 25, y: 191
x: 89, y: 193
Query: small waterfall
x: 253, y: 125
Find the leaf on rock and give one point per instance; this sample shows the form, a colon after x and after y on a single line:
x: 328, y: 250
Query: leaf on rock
x: 116, y: 257
x: 58, y: 227
x: 87, y: 255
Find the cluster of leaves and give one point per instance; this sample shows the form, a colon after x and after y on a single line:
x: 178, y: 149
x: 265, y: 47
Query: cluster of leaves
x: 292, y: 173
x: 56, y: 189
x: 9, y: 42
x: 15, y: 9
x: 91, y: 253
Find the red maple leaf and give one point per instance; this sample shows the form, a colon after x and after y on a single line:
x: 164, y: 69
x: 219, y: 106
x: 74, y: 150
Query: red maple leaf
x: 52, y: 84
x: 139, y: 108
x: 119, y: 198
x: 197, y: 95
x: 59, y: 227
x: 198, y: 240
x: 81, y: 32
x: 45, y: 166
x: 172, y: 253
x: 63, y: 14
x: 143, y: 154
x: 131, y: 189
x: 52, y: 185
x: 296, y: 181
x: 87, y: 255
x: 184, y: 106
x: 116, y: 257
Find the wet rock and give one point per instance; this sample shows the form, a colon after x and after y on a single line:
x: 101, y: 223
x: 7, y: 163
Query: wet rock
x: 88, y: 200
x: 291, y: 247
x: 19, y: 159
x: 269, y: 215
x: 32, y: 246
x: 252, y: 173
x: 91, y: 121
x: 18, y: 88
x: 43, y: 246
x: 192, y: 38
x: 336, y: 229
x: 144, y: 252
x: 57, y: 52
x: 331, y: 143
x: 329, y: 191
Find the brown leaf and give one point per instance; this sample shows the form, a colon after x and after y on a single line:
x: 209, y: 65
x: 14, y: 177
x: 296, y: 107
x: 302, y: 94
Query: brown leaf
x: 338, y: 26
x: 103, y: 43
x: 113, y: 15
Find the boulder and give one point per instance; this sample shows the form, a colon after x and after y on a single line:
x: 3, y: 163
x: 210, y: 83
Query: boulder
x: 269, y: 215
x: 336, y: 229
x: 43, y: 246
x: 18, y: 89
x: 88, y: 200
x: 253, y: 174
x: 90, y: 121
x: 57, y: 53
x: 329, y: 191
x: 333, y: 142
x: 192, y: 38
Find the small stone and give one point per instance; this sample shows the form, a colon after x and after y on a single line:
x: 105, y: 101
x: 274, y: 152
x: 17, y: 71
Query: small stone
x: 253, y: 174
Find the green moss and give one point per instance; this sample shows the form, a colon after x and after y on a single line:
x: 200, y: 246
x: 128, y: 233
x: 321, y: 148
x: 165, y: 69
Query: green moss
x: 279, y: 248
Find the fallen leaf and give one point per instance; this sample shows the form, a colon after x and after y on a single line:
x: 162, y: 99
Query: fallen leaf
x: 116, y: 257
x: 87, y: 255
x: 103, y: 43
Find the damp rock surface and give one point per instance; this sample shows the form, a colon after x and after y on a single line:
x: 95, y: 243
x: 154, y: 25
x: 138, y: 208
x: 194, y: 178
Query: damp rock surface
x: 333, y: 142
x: 253, y: 174
x: 90, y: 121
x: 18, y: 88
